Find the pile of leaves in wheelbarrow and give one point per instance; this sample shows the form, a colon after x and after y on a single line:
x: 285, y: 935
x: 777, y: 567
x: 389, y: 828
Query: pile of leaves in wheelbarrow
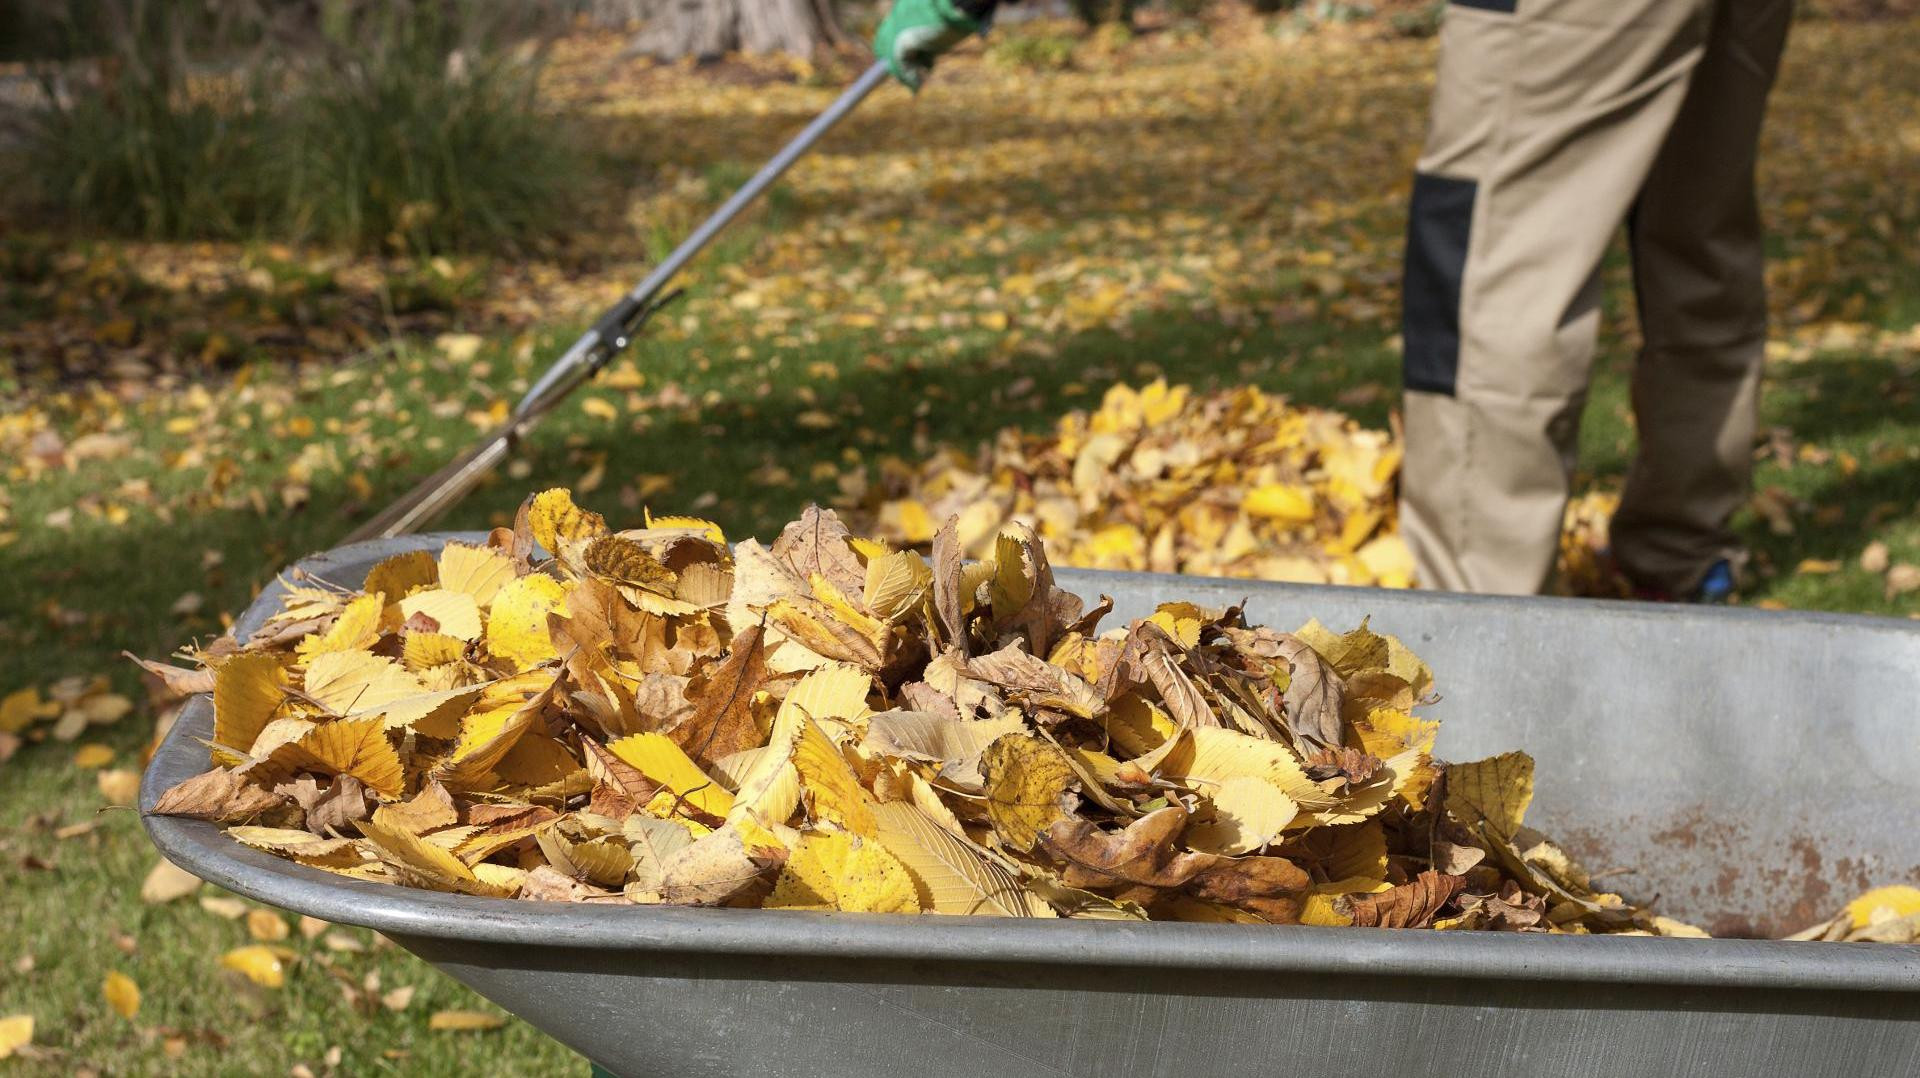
x: 1235, y: 483
x: 829, y: 723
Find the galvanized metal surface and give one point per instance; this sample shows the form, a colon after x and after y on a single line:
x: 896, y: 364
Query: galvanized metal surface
x: 1753, y: 769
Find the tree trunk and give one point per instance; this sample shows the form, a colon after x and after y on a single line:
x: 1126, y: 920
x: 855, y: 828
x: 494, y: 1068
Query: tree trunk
x: 707, y: 29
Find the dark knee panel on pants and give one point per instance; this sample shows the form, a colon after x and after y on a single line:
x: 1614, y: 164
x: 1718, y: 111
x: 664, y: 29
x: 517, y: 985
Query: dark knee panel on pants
x: 1439, y: 226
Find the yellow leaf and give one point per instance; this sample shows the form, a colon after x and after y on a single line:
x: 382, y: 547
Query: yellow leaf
x: 247, y: 689
x: 1209, y: 756
x: 357, y: 747
x: 599, y: 408
x: 835, y: 691
x: 896, y: 584
x: 1320, y: 910
x: 475, y: 570
x: 420, y: 862
x: 1181, y: 621
x: 486, y: 736
x: 259, y: 963
x: 92, y: 757
x: 1246, y: 814
x: 22, y: 707
x: 358, y: 682
x: 424, y: 650
x: 1495, y: 791
x: 1877, y: 904
x: 166, y: 882
x: 120, y: 786
x: 838, y: 871
x: 1025, y: 780
x: 1290, y: 503
x: 829, y: 787
x: 517, y: 628
x: 266, y: 926
x: 464, y: 1021
x: 455, y: 612
x: 16, y: 1032
x: 121, y: 993
x: 358, y: 626
x: 950, y: 874
x: 661, y: 761
x: 705, y: 527
x: 402, y: 573
x: 558, y: 523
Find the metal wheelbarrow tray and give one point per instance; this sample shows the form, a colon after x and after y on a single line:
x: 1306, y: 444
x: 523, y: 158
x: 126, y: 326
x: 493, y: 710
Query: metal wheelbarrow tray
x: 1753, y: 770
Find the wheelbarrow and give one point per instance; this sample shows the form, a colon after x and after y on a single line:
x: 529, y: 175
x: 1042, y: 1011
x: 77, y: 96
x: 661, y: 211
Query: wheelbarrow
x: 1747, y: 771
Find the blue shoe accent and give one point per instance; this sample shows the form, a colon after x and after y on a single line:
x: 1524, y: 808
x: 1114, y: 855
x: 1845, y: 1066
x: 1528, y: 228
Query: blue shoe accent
x: 1717, y: 586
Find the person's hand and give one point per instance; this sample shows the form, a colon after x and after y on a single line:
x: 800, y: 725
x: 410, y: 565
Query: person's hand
x: 917, y: 32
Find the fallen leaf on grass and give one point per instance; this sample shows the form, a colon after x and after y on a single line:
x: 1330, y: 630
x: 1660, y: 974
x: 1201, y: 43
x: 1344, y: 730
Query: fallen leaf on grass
x: 167, y: 881
x: 120, y: 786
x: 259, y: 963
x: 16, y: 1032
x: 266, y: 926
x: 464, y: 1021
x: 121, y: 993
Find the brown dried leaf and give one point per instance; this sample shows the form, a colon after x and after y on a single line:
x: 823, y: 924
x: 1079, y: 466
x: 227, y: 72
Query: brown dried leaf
x: 1410, y: 905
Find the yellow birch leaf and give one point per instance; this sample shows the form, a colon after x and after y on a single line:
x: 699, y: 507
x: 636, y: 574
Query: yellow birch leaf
x: 422, y: 862
x: 835, y: 691
x: 829, y: 788
x: 357, y: 627
x: 896, y: 584
x: 424, y: 650
x: 485, y: 739
x: 247, y: 689
x: 121, y: 993
x: 1246, y: 814
x: 661, y: 761
x: 402, y: 573
x: 670, y: 523
x: 257, y: 962
x: 358, y: 682
x: 92, y: 757
x: 119, y: 785
x: 769, y: 791
x: 455, y: 612
x: 950, y: 874
x: 1495, y: 791
x: 1026, y: 778
x: 558, y: 523
x: 357, y: 747
x: 517, y: 626
x: 838, y: 871
x: 1209, y: 756
x: 477, y: 571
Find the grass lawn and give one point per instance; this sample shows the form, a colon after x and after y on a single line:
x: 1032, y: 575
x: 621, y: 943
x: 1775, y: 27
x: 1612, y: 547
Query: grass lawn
x: 996, y: 251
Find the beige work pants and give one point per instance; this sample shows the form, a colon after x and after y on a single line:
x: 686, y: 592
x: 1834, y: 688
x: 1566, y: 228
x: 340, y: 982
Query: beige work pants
x: 1552, y: 122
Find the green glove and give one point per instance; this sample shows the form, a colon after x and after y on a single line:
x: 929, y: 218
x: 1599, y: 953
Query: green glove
x: 916, y: 32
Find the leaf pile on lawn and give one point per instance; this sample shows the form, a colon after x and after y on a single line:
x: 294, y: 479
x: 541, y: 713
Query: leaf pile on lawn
x: 828, y: 723
x: 1235, y: 483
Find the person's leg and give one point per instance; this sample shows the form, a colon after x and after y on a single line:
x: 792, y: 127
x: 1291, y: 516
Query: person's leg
x: 1546, y: 117
x: 1699, y: 274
